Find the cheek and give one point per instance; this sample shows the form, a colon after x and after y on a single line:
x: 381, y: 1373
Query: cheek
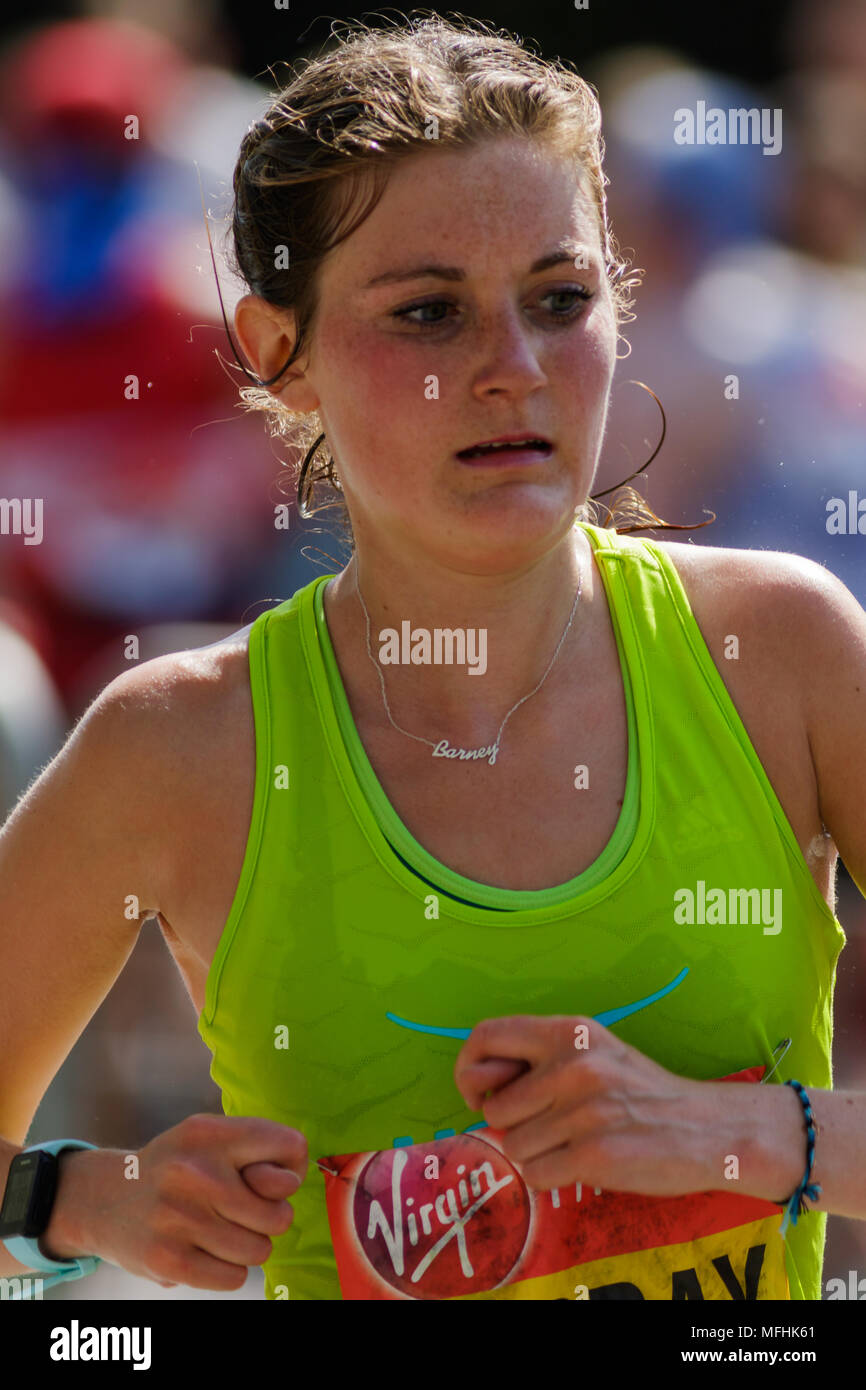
x: 588, y: 360
x: 375, y: 379
x: 376, y: 422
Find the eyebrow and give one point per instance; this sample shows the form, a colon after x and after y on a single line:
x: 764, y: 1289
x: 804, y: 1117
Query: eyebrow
x: 566, y: 250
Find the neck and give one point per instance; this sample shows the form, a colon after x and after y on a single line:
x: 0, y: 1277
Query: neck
x: 501, y: 632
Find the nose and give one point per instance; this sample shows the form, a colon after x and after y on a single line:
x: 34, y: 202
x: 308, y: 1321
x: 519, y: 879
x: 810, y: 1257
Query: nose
x: 509, y: 360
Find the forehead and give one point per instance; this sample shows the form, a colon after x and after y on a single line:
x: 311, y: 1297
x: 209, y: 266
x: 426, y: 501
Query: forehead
x: 500, y: 202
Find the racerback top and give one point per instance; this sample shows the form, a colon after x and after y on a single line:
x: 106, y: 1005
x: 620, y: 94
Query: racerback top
x: 353, y: 965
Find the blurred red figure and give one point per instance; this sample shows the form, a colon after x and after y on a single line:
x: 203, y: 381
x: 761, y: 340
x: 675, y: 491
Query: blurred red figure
x: 147, y: 516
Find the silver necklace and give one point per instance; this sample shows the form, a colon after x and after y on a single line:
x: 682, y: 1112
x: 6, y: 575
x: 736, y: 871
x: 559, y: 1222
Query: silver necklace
x: 442, y: 749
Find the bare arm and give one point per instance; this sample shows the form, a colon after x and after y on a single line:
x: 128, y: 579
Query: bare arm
x: 831, y: 651
x: 86, y: 856
x: 81, y: 864
x: 764, y: 1127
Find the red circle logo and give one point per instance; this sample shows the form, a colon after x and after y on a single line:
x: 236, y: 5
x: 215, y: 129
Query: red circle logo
x: 442, y: 1219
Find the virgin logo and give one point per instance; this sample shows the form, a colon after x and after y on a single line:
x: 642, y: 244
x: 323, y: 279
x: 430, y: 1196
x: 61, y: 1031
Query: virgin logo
x: 463, y: 1231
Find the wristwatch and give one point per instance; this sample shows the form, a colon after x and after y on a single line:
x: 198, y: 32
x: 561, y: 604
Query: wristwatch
x: 27, y: 1206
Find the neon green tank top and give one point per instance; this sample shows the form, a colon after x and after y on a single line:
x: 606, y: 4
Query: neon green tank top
x: 353, y: 964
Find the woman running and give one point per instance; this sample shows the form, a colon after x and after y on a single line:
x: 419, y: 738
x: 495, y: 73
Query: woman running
x: 500, y: 865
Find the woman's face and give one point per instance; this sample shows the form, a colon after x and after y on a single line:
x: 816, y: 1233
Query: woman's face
x: 405, y: 373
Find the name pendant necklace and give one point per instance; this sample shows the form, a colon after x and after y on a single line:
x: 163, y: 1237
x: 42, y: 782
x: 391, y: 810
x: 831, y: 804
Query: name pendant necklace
x: 442, y: 749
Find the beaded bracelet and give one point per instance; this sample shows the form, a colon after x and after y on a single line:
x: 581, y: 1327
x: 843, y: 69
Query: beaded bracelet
x: 796, y: 1205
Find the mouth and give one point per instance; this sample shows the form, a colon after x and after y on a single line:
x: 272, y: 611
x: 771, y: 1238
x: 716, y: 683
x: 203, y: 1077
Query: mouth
x: 508, y: 450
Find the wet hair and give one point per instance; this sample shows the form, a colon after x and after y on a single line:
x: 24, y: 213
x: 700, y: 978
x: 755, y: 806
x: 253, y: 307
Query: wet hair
x: 314, y: 167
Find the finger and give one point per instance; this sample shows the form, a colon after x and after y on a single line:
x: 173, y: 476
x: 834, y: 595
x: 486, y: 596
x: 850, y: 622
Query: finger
x: 549, y: 1129
x: 257, y: 1206
x: 251, y: 1136
x: 234, y: 1243
x: 485, y: 1078
x: 528, y: 1097
x: 521, y: 1037
x: 271, y: 1180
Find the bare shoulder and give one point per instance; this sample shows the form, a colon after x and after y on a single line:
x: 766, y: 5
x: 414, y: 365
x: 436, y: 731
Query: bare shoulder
x: 769, y: 594
x: 187, y: 719
x: 179, y: 699
x: 768, y: 571
x: 799, y: 627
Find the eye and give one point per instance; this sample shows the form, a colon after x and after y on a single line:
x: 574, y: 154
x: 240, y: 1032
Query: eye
x: 416, y: 308
x: 579, y: 293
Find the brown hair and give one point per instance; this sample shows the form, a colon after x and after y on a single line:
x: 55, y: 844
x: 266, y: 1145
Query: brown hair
x: 357, y: 110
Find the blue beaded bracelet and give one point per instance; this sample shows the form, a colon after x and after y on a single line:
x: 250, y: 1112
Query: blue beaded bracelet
x: 796, y: 1205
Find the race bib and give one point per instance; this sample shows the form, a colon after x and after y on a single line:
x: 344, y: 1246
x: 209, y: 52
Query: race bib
x: 454, y: 1218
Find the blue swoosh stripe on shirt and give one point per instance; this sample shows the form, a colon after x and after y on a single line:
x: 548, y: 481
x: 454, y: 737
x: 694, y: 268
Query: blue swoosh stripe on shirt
x: 606, y: 1018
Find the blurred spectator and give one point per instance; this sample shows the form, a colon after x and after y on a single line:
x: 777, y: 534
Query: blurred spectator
x: 155, y: 487
x: 676, y: 207
x: 829, y: 35
x: 730, y: 302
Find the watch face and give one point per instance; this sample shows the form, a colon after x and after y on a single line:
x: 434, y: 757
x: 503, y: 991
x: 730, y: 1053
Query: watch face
x: 15, y: 1202
x: 29, y: 1195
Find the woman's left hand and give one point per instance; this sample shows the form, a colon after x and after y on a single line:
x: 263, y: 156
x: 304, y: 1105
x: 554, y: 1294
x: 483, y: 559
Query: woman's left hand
x: 578, y: 1105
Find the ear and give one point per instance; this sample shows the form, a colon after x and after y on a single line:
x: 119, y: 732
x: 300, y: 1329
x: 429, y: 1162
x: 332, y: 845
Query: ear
x: 267, y: 336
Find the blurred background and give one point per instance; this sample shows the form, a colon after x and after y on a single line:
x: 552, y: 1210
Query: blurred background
x: 755, y: 272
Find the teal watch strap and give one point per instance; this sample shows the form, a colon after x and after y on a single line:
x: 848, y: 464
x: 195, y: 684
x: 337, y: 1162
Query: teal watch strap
x: 26, y: 1250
